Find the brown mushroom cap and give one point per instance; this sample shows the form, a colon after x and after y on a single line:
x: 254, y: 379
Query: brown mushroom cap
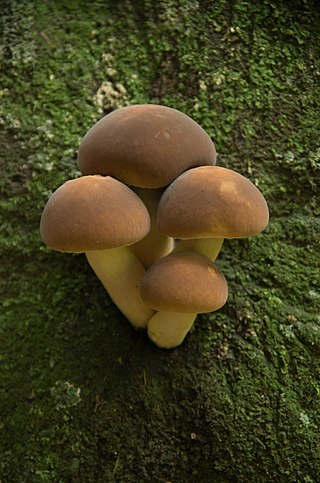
x: 93, y: 213
x: 145, y: 145
x: 212, y: 202
x: 184, y: 282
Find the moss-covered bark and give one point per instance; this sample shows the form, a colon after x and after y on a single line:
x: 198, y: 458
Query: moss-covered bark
x: 83, y: 396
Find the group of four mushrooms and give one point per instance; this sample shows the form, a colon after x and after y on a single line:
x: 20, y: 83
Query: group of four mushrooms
x: 150, y: 212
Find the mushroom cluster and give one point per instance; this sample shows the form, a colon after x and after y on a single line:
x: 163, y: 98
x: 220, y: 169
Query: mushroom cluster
x: 150, y: 212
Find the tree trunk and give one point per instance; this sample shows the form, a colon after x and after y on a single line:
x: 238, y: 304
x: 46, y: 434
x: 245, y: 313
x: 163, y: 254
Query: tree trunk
x: 85, y: 397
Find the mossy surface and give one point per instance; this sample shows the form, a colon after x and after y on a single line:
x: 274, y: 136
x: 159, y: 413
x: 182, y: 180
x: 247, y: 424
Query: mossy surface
x: 85, y: 398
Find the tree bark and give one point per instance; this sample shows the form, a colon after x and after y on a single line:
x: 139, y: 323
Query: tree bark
x: 85, y: 397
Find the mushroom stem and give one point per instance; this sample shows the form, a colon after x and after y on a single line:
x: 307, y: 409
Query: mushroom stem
x: 155, y: 245
x: 168, y: 329
x: 209, y: 247
x: 120, y: 272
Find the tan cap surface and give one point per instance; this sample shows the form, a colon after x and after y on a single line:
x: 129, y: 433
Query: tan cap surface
x: 185, y: 282
x: 145, y: 145
x: 212, y: 202
x: 93, y: 213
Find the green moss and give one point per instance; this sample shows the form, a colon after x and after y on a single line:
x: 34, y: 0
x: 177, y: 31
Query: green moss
x: 83, y: 397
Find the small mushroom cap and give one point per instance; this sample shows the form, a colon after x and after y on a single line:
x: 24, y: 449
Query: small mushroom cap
x: 145, y: 145
x: 212, y: 202
x: 185, y: 282
x: 93, y: 213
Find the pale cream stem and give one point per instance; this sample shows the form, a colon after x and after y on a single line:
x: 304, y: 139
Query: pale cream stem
x: 155, y: 245
x: 209, y: 247
x: 168, y: 329
x: 121, y: 272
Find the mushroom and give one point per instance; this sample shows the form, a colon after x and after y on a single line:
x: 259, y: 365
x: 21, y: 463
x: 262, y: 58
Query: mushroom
x: 146, y: 146
x: 101, y: 217
x: 207, y: 204
x: 179, y: 286
x: 202, y: 207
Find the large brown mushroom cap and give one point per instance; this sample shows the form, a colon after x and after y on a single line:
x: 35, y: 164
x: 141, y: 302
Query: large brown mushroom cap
x: 212, y: 202
x: 93, y: 213
x: 145, y: 145
x: 184, y: 282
